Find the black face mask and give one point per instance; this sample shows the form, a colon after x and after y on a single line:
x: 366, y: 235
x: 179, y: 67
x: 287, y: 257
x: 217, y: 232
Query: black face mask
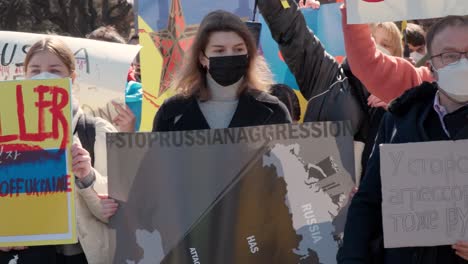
x: 228, y: 70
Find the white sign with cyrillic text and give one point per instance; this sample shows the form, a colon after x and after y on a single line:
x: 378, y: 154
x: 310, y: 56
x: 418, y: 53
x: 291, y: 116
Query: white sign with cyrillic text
x: 424, y: 193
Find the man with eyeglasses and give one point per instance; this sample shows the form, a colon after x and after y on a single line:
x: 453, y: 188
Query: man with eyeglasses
x: 430, y: 112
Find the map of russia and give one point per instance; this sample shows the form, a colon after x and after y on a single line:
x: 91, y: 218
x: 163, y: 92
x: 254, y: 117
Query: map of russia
x: 278, y: 200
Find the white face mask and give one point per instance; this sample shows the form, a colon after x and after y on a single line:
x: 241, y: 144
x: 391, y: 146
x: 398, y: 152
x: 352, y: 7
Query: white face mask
x: 453, y: 81
x: 48, y: 76
x: 45, y: 76
x: 384, y: 50
x: 416, y: 56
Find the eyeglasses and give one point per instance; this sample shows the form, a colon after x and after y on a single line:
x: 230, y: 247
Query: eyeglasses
x: 451, y: 57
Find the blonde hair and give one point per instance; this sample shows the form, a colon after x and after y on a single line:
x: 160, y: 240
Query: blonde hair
x: 394, y: 34
x: 55, y: 46
x: 191, y: 79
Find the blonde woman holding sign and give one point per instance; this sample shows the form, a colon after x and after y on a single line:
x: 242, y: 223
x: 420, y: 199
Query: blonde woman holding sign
x: 48, y: 59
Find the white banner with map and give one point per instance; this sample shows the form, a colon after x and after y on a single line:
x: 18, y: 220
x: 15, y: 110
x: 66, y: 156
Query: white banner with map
x: 266, y: 194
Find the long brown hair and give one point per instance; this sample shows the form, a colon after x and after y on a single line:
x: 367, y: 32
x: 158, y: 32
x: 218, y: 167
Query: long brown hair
x: 191, y: 79
x: 53, y: 45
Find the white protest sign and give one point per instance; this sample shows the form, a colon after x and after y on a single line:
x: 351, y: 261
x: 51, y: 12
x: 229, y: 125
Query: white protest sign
x: 367, y: 11
x: 101, y: 68
x: 424, y: 193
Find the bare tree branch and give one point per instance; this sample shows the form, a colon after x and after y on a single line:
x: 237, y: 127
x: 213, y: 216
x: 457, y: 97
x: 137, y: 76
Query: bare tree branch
x: 69, y: 17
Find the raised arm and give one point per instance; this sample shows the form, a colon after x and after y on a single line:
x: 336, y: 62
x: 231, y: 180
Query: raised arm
x: 314, y: 69
x: 386, y: 77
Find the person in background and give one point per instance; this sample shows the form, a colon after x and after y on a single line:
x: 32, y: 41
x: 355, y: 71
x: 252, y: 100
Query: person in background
x: 125, y: 120
x: 371, y: 66
x: 133, y: 89
x: 333, y: 92
x: 319, y: 75
x: 289, y: 98
x: 429, y: 112
x: 134, y: 73
x: 416, y: 38
x: 133, y: 99
x: 51, y: 58
x: 387, y: 38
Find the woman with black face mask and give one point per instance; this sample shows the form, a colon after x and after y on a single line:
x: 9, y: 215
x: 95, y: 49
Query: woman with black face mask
x: 223, y: 82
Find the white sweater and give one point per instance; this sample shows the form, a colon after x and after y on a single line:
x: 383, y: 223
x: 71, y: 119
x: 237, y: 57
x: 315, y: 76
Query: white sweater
x: 220, y: 109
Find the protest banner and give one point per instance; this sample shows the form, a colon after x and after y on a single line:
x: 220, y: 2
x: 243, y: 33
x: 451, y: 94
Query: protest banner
x: 260, y: 194
x: 370, y: 11
x: 36, y: 183
x: 101, y: 68
x: 424, y: 193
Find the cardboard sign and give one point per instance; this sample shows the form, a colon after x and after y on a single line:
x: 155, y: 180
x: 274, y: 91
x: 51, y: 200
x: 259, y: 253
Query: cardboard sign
x: 36, y: 183
x: 424, y: 193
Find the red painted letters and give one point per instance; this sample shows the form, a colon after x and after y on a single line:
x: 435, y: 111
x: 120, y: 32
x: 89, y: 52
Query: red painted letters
x: 55, y: 106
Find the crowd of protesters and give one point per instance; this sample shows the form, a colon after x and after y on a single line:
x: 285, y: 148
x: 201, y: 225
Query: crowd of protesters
x: 392, y: 91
